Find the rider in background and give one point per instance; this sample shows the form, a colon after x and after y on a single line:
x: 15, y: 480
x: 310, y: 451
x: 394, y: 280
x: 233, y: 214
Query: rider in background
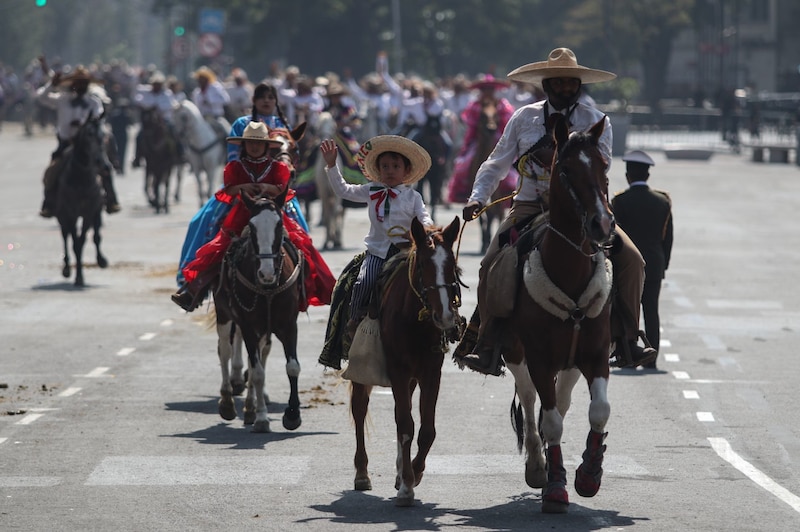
x: 154, y: 95
x: 210, y: 97
x: 527, y: 143
x: 73, y: 108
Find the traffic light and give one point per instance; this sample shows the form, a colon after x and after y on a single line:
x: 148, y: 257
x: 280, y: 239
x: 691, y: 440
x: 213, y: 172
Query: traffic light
x: 180, y: 31
x: 41, y: 3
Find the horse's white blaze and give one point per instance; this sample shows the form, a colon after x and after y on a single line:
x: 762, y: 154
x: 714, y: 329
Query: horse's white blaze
x: 439, y: 261
x: 265, y: 223
x: 585, y: 159
x: 599, y: 407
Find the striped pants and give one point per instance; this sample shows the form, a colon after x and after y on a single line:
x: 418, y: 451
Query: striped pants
x: 362, y: 289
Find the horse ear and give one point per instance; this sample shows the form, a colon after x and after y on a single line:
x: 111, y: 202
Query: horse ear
x: 561, y: 132
x: 298, y: 132
x: 451, y: 231
x: 280, y: 199
x: 418, y: 232
x: 597, y: 129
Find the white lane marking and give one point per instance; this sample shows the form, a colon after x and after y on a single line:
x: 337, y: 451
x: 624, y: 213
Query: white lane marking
x: 29, y: 482
x: 125, y: 351
x: 672, y: 357
x: 712, y: 341
x: 72, y: 390
x: 724, y: 450
x: 3, y: 440
x: 680, y: 375
x: 28, y: 419
x: 664, y: 343
x: 97, y: 372
x: 684, y: 302
x: 252, y: 468
x: 147, y: 336
x: 706, y: 417
x: 743, y: 304
x: 690, y: 394
x: 167, y: 322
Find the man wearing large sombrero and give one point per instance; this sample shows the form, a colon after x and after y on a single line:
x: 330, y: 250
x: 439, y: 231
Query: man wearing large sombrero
x: 528, y: 144
x: 74, y: 103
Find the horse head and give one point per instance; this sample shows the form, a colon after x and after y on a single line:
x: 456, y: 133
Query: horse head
x: 288, y: 152
x: 88, y: 141
x: 579, y: 183
x: 266, y: 236
x: 435, y: 273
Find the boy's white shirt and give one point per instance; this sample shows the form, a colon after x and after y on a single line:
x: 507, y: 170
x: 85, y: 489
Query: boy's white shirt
x: 404, y: 207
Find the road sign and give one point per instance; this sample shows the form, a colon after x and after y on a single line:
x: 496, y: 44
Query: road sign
x: 212, y: 21
x: 180, y: 48
x: 209, y: 45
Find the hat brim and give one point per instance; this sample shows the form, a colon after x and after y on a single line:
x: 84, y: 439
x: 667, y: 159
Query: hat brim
x: 638, y: 156
x: 494, y: 85
x: 536, y: 72
x: 238, y: 141
x: 367, y: 157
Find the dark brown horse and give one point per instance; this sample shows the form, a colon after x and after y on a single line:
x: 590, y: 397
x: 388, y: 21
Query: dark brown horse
x: 486, y: 141
x: 160, y: 152
x: 258, y: 293
x: 418, y: 315
x: 561, y: 318
x: 80, y: 196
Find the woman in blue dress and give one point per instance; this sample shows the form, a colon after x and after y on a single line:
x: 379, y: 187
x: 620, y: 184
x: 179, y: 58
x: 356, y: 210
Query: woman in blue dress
x: 205, y: 224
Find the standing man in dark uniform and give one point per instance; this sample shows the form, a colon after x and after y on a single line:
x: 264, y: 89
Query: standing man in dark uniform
x: 646, y: 216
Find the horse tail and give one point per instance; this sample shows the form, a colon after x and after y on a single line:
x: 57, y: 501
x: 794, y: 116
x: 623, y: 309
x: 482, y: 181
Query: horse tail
x: 518, y: 421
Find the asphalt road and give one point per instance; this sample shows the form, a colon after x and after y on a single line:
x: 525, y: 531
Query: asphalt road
x: 108, y: 419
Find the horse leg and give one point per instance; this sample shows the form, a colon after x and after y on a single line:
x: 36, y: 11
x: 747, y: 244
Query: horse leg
x: 404, y: 482
x: 257, y: 378
x: 226, y: 405
x: 590, y: 472
x: 102, y: 262
x: 555, y: 498
x: 565, y: 383
x: 77, y: 249
x: 359, y: 404
x: 66, y: 233
x: 291, y: 416
x: 535, y: 470
x: 237, y: 375
x: 428, y: 397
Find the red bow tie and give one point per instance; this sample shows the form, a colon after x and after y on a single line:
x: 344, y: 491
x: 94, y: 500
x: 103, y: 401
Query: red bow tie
x: 382, y: 195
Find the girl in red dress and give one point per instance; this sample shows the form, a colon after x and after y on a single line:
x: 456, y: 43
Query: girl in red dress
x: 255, y: 174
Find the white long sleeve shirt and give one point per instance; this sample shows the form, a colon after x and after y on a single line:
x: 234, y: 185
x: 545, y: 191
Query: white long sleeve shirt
x: 211, y: 101
x: 162, y: 100
x: 389, y: 216
x: 523, y: 130
x: 71, y: 111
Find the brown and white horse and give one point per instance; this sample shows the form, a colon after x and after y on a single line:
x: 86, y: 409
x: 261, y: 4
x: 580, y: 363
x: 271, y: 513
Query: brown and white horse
x: 561, y: 319
x: 418, y: 314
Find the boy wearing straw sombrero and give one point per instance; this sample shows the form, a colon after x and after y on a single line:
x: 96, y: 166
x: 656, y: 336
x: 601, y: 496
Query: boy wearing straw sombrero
x: 392, y: 164
x: 527, y: 144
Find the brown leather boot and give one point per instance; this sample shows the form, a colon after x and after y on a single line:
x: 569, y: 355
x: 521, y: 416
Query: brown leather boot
x: 486, y: 359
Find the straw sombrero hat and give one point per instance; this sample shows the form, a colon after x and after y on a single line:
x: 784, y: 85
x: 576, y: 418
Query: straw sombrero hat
x: 81, y: 73
x: 255, y: 131
x: 561, y: 63
x: 367, y: 156
x: 205, y: 72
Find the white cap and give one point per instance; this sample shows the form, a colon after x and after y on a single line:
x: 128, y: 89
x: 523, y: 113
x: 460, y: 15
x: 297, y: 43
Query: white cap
x: 638, y: 156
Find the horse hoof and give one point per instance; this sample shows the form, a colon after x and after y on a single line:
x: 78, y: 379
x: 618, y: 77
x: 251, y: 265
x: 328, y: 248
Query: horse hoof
x: 404, y: 498
x: 261, y: 427
x: 102, y: 262
x: 363, y: 484
x: 227, y: 410
x: 586, y: 484
x: 291, y: 422
x: 555, y: 499
x: 66, y: 272
x: 249, y: 418
x: 535, y: 478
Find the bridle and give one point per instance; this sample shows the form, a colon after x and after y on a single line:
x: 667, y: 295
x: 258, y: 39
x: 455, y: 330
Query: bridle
x: 415, y: 279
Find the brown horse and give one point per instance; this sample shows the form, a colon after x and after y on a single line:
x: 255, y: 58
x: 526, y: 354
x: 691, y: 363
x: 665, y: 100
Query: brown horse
x: 258, y: 293
x: 487, y: 135
x: 160, y: 152
x: 561, y: 319
x: 418, y: 315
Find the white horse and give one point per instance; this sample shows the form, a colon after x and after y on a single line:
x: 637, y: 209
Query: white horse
x: 204, y: 148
